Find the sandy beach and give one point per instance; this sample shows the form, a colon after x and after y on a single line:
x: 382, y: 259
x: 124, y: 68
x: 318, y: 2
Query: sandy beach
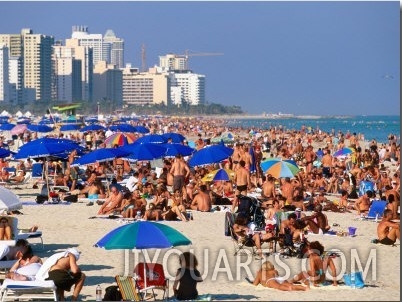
x: 67, y: 226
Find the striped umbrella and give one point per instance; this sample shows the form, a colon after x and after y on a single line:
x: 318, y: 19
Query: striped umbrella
x: 120, y: 139
x: 278, y: 167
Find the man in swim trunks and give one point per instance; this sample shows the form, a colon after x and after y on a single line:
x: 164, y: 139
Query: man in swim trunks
x: 180, y: 172
x: 65, y: 273
x: 387, y: 230
x: 318, y: 222
x: 242, y: 181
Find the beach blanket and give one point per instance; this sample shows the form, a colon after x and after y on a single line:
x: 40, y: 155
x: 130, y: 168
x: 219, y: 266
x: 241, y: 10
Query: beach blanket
x: 43, y: 272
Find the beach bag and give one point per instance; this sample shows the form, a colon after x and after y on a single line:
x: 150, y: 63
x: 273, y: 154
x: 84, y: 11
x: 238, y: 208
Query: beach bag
x: 71, y: 198
x: 112, y: 293
x: 41, y: 198
x: 359, y: 282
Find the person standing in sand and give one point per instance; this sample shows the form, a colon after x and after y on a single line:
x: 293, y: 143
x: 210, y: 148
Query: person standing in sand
x: 180, y: 172
x: 242, y: 182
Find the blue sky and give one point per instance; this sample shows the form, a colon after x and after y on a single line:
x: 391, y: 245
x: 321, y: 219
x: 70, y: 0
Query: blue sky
x: 319, y: 58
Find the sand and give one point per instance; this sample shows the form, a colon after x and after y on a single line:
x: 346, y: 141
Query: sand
x: 67, y: 226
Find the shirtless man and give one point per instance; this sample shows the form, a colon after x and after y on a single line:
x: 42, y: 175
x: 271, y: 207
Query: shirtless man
x: 202, y: 201
x: 310, y: 156
x: 318, y: 222
x: 268, y: 188
x: 363, y: 203
x: 65, y: 273
x: 388, y: 231
x: 242, y: 181
x: 389, y: 191
x: 327, y: 163
x: 287, y: 191
x: 180, y: 172
x: 112, y: 203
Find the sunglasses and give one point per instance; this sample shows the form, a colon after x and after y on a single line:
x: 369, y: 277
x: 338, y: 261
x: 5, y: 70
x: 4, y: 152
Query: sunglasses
x: 4, y: 221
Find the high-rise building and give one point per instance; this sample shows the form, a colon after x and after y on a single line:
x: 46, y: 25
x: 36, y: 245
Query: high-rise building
x: 173, y: 62
x: 108, y: 83
x: 101, y: 50
x: 116, y: 49
x: 4, y: 78
x: 141, y: 88
x: 188, y: 87
x: 85, y: 55
x: 37, y: 53
x: 68, y: 78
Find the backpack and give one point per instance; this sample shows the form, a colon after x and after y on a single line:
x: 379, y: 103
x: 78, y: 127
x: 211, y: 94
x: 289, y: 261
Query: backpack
x: 112, y: 293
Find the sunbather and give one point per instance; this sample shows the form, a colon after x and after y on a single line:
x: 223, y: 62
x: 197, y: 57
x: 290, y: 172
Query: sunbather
x: 267, y: 276
x: 5, y: 229
x: 387, y: 230
x: 26, y: 267
x: 112, y: 203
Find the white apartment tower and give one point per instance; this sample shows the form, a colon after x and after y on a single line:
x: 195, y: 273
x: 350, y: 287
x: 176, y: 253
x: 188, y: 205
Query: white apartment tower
x: 67, y: 75
x: 37, y: 53
x: 188, y: 87
x: 4, y: 78
x: 116, y: 49
x: 101, y: 50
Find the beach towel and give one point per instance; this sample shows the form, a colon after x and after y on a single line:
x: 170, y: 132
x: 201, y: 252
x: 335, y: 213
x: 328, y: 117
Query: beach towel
x: 43, y: 272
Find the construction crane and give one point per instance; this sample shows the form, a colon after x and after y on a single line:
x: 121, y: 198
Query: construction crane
x: 189, y: 53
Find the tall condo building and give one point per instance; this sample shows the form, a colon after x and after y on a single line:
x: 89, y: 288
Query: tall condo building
x: 173, y: 62
x: 101, y: 50
x: 37, y: 54
x: 116, y: 55
x: 188, y: 87
x: 4, y: 78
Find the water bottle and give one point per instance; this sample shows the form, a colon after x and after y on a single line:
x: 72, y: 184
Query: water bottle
x: 98, y: 293
x: 138, y: 217
x: 352, y: 280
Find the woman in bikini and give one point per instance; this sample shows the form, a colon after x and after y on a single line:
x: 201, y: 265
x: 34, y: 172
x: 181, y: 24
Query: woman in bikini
x: 268, y: 276
x: 318, y: 266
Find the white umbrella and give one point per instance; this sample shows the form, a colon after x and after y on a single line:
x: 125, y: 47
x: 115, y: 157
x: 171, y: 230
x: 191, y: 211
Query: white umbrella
x: 9, y: 201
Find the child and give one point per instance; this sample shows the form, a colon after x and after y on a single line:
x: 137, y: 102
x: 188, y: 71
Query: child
x: 268, y: 277
x: 185, y: 284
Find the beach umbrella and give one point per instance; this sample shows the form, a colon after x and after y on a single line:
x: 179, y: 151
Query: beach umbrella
x: 6, y: 126
x: 141, y: 129
x: 5, y: 153
x: 123, y: 128
x: 70, y: 127
x: 174, y: 149
x: 219, y: 175
x: 175, y: 137
x: 92, y: 127
x: 91, y: 120
x: 146, y: 151
x: 278, y: 167
x: 120, y: 139
x: 142, y: 235
x: 45, y: 147
x: 9, y: 201
x: 39, y: 128
x: 210, y: 155
x: 99, y: 155
x: 18, y: 129
x: 344, y: 151
x: 152, y: 138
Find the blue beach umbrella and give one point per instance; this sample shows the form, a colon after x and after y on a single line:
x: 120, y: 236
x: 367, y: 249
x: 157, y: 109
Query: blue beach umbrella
x: 99, y: 155
x: 70, y: 127
x: 141, y: 129
x: 39, y: 128
x: 146, y: 151
x: 5, y: 153
x: 176, y: 137
x: 210, y: 155
x: 6, y: 126
x: 142, y: 235
x: 123, y: 128
x: 151, y: 138
x: 45, y: 147
x: 92, y: 127
x: 174, y: 149
x: 219, y: 175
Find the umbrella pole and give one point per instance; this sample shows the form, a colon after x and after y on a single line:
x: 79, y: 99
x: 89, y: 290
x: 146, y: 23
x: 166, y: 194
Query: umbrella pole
x: 47, y: 180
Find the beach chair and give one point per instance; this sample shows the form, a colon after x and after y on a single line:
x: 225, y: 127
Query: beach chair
x: 279, y: 217
x: 128, y: 288
x: 239, y: 245
x: 23, y: 233
x: 17, y: 185
x: 376, y: 210
x: 12, y: 290
x: 154, y: 279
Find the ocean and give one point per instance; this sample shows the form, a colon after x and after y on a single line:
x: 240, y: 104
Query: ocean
x: 372, y: 127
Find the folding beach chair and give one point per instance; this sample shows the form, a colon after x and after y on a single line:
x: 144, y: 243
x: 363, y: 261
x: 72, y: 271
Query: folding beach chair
x: 377, y: 209
x: 239, y: 243
x: 128, y: 288
x: 154, y: 279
